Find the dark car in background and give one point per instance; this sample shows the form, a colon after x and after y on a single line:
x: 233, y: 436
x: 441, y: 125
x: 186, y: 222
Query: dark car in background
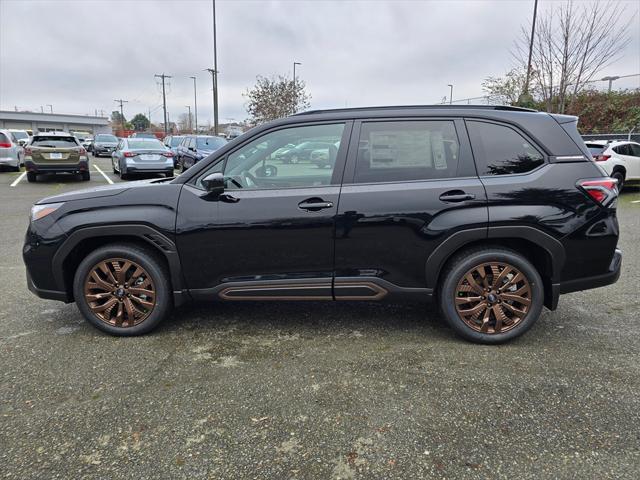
x: 141, y: 156
x: 172, y: 142
x: 104, y: 144
x: 55, y: 152
x: 194, y: 148
x: 493, y: 212
x: 302, y: 152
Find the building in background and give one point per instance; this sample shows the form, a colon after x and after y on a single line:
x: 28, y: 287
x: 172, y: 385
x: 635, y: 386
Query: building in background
x: 48, y: 122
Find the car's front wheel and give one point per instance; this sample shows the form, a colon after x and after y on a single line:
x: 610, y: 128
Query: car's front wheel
x: 123, y: 289
x: 491, y: 295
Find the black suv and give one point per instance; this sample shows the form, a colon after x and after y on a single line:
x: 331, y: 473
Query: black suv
x: 492, y: 211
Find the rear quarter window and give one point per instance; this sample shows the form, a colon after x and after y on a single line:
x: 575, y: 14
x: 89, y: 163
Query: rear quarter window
x: 501, y: 150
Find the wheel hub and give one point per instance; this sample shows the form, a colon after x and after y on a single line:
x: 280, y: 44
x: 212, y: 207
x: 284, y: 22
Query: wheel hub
x: 493, y: 297
x: 120, y: 292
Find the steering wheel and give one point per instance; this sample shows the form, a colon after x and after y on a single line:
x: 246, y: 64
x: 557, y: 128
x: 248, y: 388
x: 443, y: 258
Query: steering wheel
x: 249, y: 179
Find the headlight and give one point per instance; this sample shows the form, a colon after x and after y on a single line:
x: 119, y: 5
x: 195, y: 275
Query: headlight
x: 41, y: 211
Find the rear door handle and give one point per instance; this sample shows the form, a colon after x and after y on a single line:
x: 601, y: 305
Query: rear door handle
x: 456, y: 196
x: 314, y: 204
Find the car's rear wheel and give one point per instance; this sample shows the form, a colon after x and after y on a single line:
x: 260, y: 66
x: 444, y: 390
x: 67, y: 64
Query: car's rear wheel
x: 31, y: 177
x: 491, y: 295
x: 123, y: 290
x: 619, y: 176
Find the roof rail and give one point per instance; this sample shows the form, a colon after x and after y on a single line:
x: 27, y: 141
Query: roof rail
x: 418, y: 107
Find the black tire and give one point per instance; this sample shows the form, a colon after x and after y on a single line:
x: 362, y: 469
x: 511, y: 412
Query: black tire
x: 618, y: 175
x: 17, y: 168
x: 95, y: 154
x: 31, y: 177
x: 467, y: 260
x: 150, y: 262
x: 169, y: 173
x: 123, y: 174
x: 86, y: 176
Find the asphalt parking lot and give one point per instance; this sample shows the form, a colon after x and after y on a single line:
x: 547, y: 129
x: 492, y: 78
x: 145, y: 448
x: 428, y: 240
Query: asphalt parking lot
x: 314, y: 390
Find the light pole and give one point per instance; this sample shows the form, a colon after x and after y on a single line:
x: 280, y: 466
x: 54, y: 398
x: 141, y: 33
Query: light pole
x: 214, y: 73
x: 189, y: 109
x: 195, y: 103
x: 533, y: 32
x: 450, y: 93
x: 610, y: 79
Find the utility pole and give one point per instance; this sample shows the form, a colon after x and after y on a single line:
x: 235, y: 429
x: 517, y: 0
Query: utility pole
x: 149, y: 117
x: 450, y: 93
x: 120, y: 101
x: 533, y: 31
x: 215, y: 72
x: 189, y: 117
x: 164, y: 100
x: 195, y: 103
x: 215, y: 100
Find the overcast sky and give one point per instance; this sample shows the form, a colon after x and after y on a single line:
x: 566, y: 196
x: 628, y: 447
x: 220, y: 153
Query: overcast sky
x: 81, y: 55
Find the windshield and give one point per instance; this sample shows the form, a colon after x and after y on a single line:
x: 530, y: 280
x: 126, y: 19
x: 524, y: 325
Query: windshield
x: 51, y: 141
x: 175, y: 141
x: 20, y: 135
x: 145, y: 144
x: 210, y: 143
x: 106, y: 138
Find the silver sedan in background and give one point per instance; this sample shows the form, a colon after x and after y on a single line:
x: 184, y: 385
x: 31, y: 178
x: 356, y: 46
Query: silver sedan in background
x: 141, y: 155
x: 11, y: 152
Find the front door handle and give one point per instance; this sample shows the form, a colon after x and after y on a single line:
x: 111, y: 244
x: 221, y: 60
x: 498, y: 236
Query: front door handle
x: 314, y: 204
x: 456, y: 196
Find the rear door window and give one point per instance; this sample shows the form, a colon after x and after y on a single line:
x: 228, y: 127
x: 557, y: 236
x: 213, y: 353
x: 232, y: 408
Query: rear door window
x: 501, y: 150
x: 391, y: 151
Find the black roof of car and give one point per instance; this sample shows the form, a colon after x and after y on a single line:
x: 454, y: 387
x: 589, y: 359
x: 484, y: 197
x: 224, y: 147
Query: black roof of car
x: 417, y: 107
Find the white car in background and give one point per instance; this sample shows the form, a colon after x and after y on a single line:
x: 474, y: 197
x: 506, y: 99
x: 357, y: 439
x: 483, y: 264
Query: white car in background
x: 619, y: 158
x: 11, y: 152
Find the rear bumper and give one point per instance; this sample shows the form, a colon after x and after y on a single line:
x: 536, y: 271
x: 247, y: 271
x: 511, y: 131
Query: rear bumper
x: 150, y: 168
x: 611, y: 276
x: 81, y: 166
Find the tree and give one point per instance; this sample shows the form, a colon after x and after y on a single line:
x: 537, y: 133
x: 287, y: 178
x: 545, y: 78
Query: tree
x: 275, y: 97
x: 571, y: 46
x: 117, y: 118
x: 505, y: 89
x: 140, y: 122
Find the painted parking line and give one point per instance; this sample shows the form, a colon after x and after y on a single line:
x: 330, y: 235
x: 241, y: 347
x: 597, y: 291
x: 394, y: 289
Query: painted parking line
x: 103, y: 174
x: 17, y: 180
x: 635, y: 201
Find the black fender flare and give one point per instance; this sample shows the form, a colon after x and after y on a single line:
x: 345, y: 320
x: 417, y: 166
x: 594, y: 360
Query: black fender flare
x: 453, y: 243
x: 158, y: 242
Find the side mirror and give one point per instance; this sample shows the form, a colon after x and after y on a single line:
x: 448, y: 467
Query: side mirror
x: 267, y: 171
x: 214, y: 183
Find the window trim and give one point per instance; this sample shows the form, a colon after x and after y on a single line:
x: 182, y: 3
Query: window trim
x: 542, y: 151
x: 465, y: 159
x: 336, y: 180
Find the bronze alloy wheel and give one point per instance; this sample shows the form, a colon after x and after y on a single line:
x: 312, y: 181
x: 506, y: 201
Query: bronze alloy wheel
x: 493, y: 297
x: 120, y: 292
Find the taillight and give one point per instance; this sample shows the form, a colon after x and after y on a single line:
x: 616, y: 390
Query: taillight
x: 5, y: 145
x: 129, y: 154
x: 602, y: 190
x: 601, y: 158
x: 167, y: 154
x: 82, y: 151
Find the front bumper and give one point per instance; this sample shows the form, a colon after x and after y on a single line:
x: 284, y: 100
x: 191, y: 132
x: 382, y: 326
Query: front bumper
x: 47, y: 294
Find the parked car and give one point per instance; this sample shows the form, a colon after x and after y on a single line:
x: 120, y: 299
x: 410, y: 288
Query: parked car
x: 302, y: 151
x: 493, y: 212
x: 619, y: 158
x: 11, y: 152
x: 326, y: 156
x: 143, y: 135
x: 172, y: 142
x: 55, y: 152
x: 104, y: 144
x: 233, y: 133
x: 21, y: 136
x: 87, y: 143
x: 194, y: 148
x: 142, y: 155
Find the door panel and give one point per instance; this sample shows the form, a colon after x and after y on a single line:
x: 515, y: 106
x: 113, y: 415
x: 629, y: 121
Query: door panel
x: 388, y: 230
